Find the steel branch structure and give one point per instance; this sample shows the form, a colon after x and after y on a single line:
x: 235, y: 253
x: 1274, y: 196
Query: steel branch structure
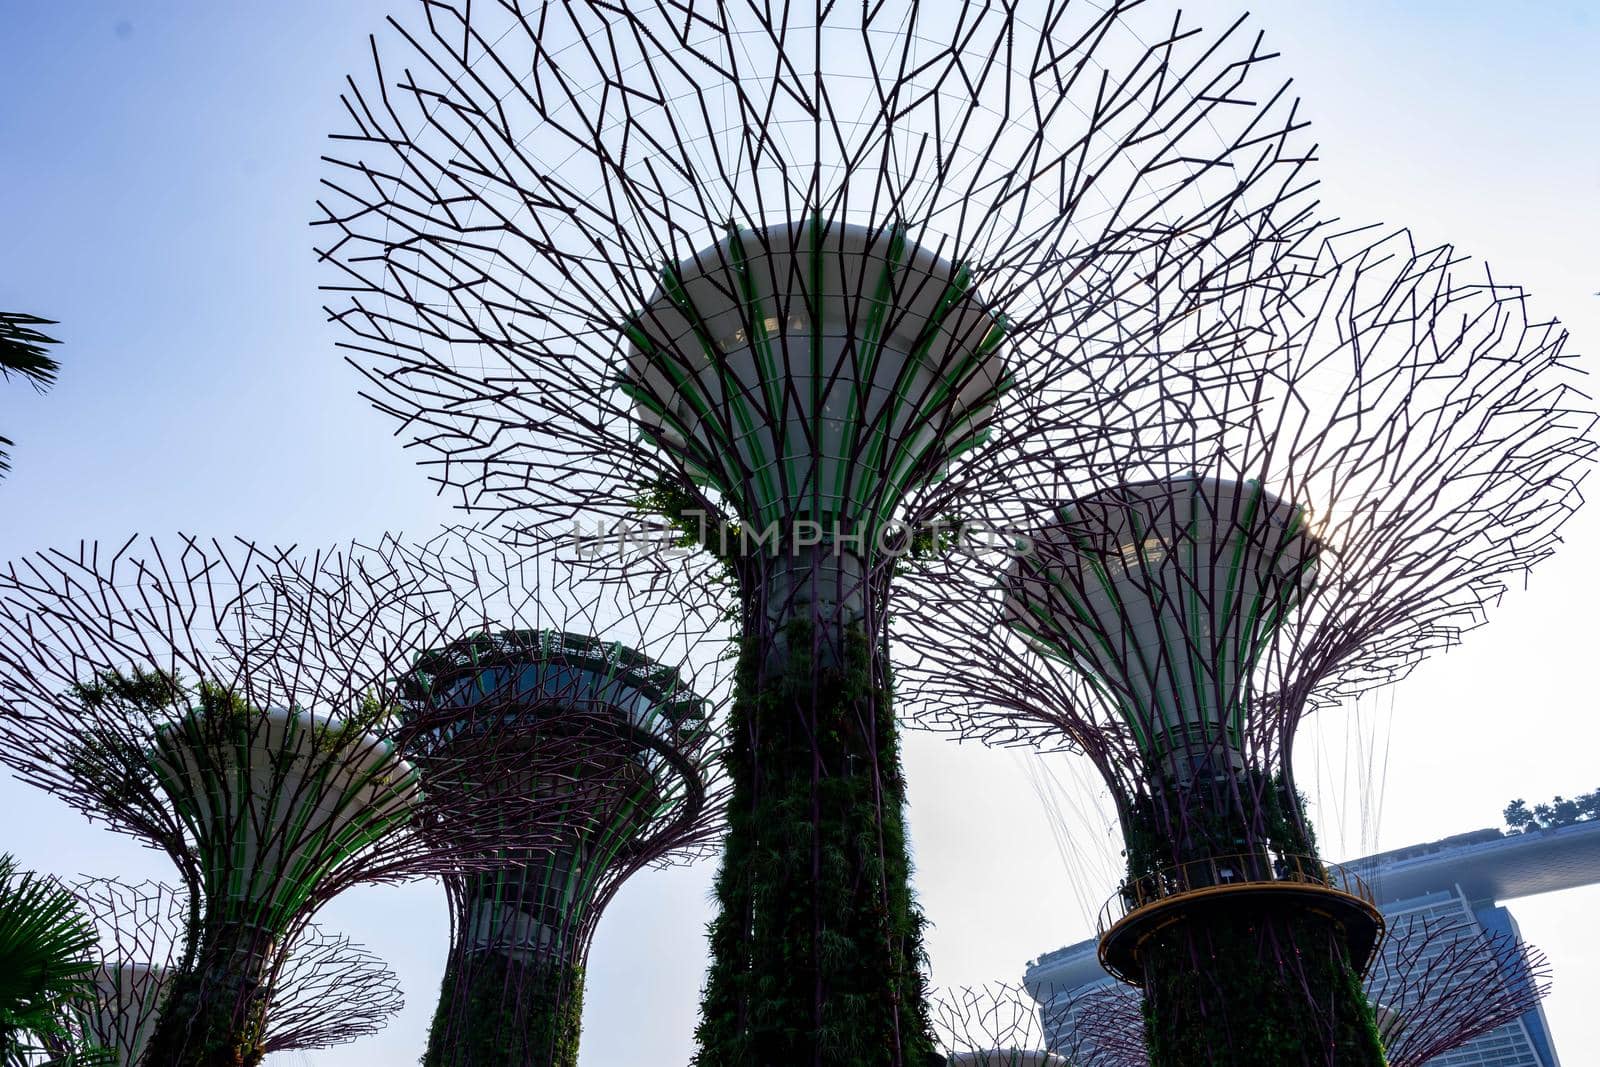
x: 1390, y: 444
x: 554, y: 225
x: 1441, y: 983
x: 229, y: 705
x: 993, y: 1026
x: 618, y: 753
x: 327, y: 991
x: 788, y: 280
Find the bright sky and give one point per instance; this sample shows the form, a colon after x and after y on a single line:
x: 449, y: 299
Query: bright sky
x: 158, y: 164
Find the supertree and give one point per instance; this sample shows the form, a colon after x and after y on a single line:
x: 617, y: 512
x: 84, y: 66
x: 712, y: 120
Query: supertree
x: 329, y: 991
x: 230, y: 706
x: 1106, y: 1027
x: 992, y: 1026
x: 774, y: 272
x: 619, y: 747
x: 1388, y: 446
x: 1438, y: 984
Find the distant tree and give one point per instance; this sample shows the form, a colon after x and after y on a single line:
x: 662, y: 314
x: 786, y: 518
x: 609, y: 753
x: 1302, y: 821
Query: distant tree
x: 1561, y: 811
x: 1518, y: 817
x: 23, y: 354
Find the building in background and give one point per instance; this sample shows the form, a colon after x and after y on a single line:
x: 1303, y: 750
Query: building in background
x: 1466, y: 877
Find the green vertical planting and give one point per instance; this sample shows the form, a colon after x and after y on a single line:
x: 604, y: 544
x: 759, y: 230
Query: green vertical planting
x: 817, y: 951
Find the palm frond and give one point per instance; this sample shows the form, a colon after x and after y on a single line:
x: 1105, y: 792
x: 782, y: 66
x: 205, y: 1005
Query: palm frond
x: 22, y: 353
x: 22, y: 349
x: 47, y: 961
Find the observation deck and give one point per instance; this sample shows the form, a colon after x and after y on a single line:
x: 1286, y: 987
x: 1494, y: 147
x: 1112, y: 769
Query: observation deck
x: 1486, y: 864
x: 1189, y: 893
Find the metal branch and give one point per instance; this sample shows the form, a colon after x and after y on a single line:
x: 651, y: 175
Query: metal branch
x: 1439, y: 984
x: 620, y: 747
x: 498, y: 215
x: 234, y: 706
x: 327, y: 990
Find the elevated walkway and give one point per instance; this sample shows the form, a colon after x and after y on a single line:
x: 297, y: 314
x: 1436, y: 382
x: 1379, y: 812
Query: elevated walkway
x: 1487, y: 865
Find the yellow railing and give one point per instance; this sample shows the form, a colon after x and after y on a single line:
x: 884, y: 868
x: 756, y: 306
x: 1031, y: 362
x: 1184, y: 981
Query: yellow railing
x: 1219, y: 871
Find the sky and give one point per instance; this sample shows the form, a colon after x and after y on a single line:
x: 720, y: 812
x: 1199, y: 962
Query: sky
x: 159, y: 165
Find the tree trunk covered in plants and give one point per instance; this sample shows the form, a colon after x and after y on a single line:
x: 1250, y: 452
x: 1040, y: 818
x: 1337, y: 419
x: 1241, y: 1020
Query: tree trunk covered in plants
x: 817, y: 948
x: 1241, y: 980
x: 499, y: 1010
x: 1255, y: 990
x: 215, y: 1013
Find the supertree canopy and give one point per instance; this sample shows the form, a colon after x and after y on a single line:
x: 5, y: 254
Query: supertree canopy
x: 993, y: 1026
x: 1387, y: 446
x: 1440, y: 983
x: 230, y: 705
x: 1171, y: 638
x: 775, y: 273
x: 871, y: 361
x: 868, y: 362
x: 329, y: 991
x: 619, y: 748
